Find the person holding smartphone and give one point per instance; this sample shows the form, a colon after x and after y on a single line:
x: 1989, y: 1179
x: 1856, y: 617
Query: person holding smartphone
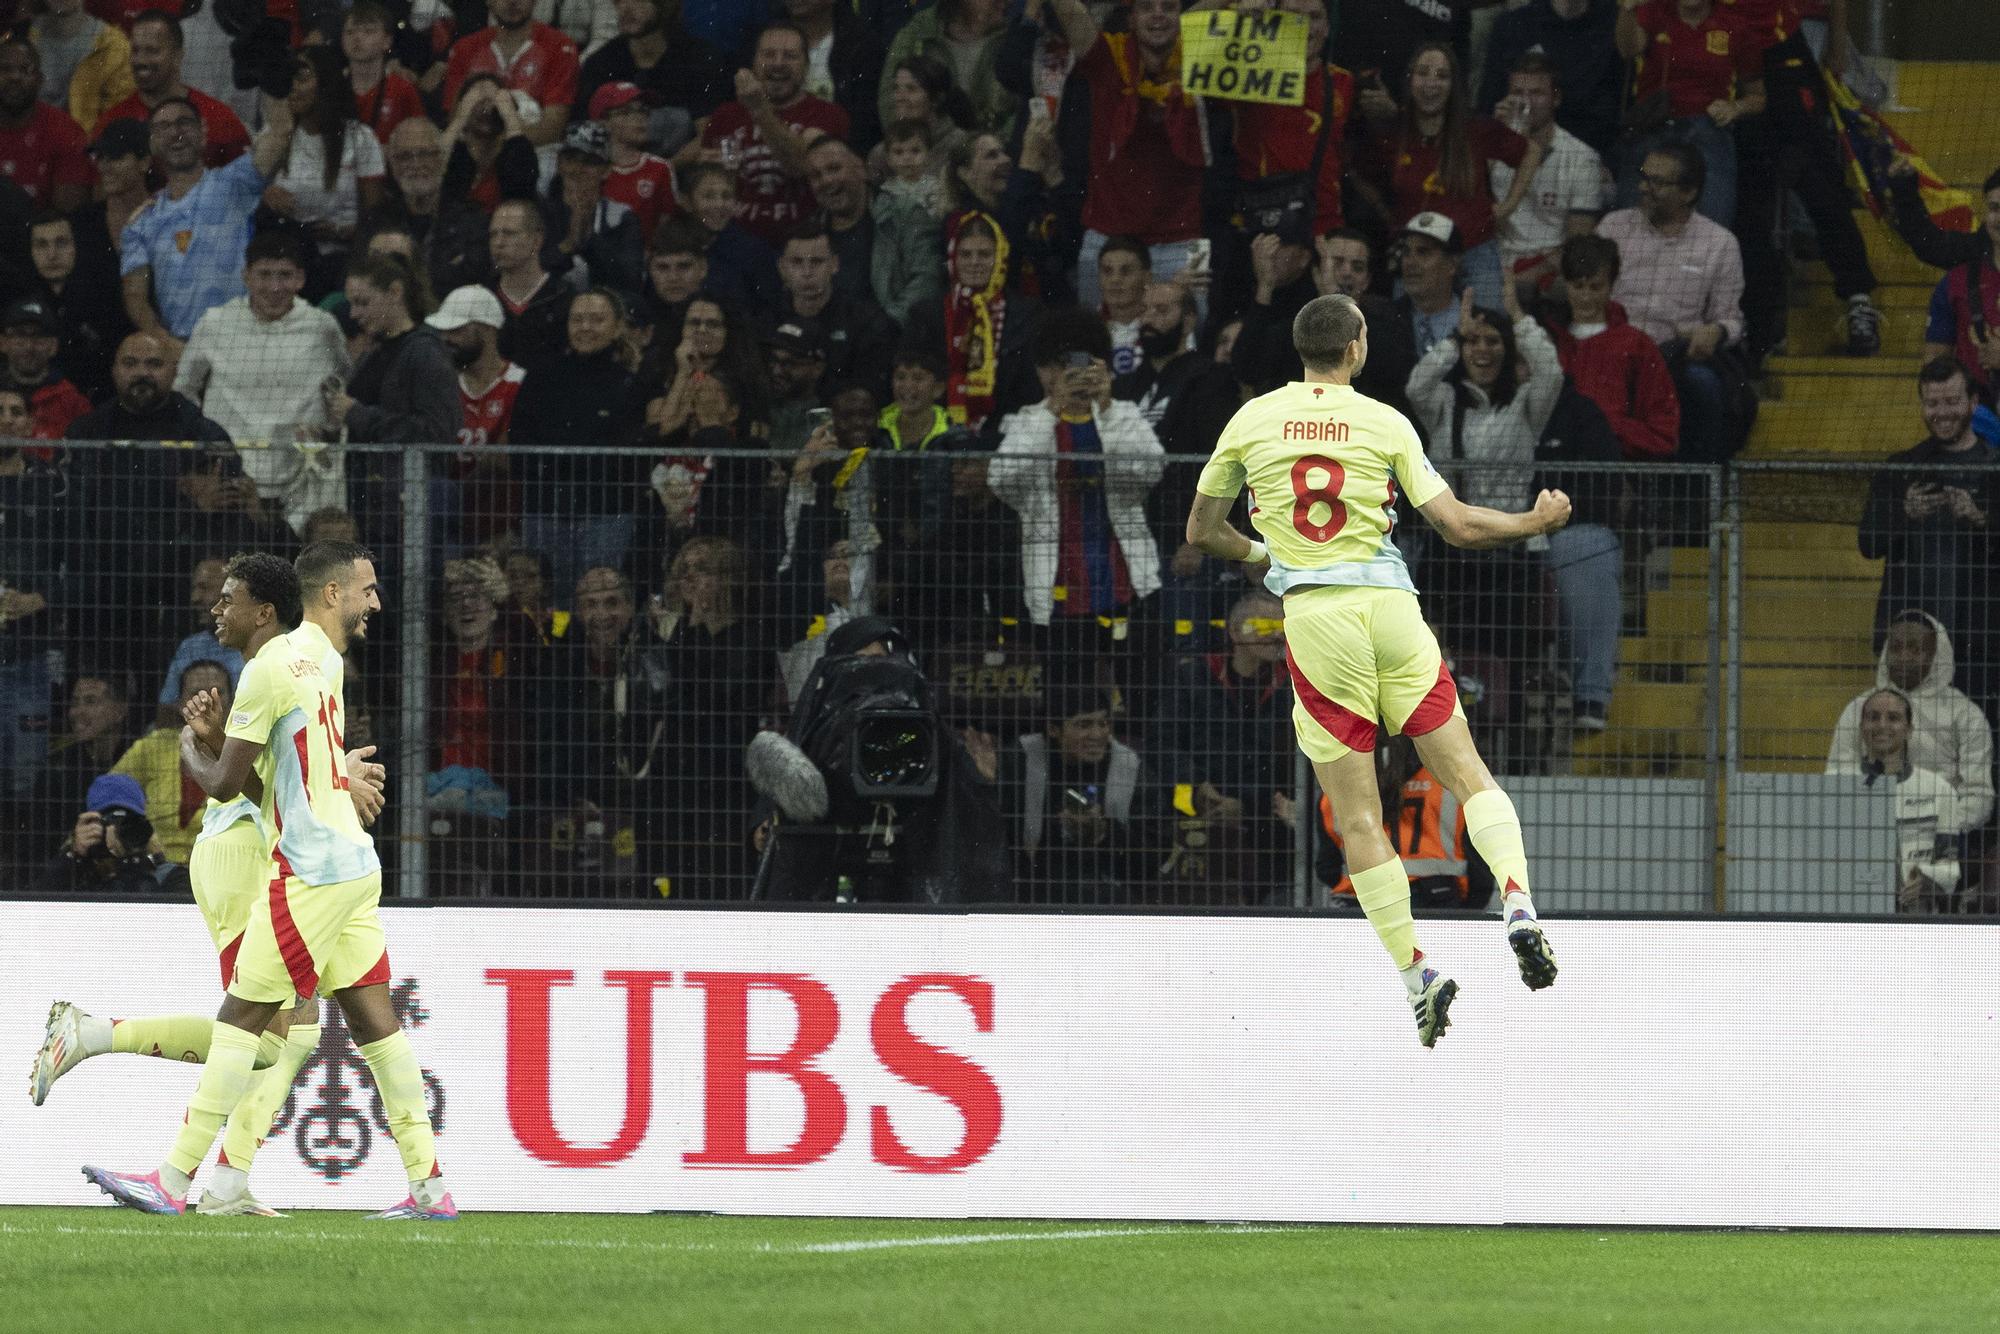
x: 1077, y: 799
x: 1077, y: 467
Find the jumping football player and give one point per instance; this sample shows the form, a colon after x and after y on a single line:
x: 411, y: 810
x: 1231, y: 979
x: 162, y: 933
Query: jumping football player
x: 1323, y: 463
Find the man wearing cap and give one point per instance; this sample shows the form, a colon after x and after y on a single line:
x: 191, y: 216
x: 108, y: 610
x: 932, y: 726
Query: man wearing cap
x: 797, y: 357
x: 255, y: 366
x: 638, y: 179
x: 41, y: 148
x: 158, y: 46
x: 123, y: 157
x: 479, y: 488
x: 599, y: 236
x: 29, y: 339
x: 96, y: 857
x: 183, y: 254
x: 1430, y: 247
x: 528, y: 56
x: 86, y: 62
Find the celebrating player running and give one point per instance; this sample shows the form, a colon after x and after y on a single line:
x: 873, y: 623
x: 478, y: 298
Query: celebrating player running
x: 1323, y: 464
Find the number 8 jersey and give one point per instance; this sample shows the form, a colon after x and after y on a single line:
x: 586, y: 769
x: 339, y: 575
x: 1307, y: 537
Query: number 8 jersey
x: 1323, y: 464
x: 289, y: 700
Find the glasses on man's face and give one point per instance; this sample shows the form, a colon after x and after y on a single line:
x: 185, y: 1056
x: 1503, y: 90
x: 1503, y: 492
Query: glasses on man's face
x: 175, y: 125
x: 413, y: 155
x: 1646, y: 178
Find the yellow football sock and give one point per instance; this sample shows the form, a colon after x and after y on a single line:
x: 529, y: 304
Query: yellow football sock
x: 400, y: 1080
x: 258, y: 1107
x: 1384, y: 894
x: 1495, y: 829
x: 180, y: 1037
x: 231, y: 1054
x: 173, y: 1037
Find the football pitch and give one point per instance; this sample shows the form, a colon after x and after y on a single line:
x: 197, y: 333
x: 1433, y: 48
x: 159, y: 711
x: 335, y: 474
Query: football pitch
x: 104, y: 1269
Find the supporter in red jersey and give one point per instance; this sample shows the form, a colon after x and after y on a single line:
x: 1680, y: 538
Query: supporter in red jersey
x: 1273, y: 141
x: 1147, y: 150
x: 763, y: 135
x: 529, y: 57
x: 488, y: 498
x: 382, y: 100
x: 1436, y: 157
x: 41, y: 148
x: 1701, y: 70
x: 639, y: 180
x: 157, y: 48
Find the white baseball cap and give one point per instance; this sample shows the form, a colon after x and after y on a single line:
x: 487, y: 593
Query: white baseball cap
x: 467, y: 305
x: 1435, y: 226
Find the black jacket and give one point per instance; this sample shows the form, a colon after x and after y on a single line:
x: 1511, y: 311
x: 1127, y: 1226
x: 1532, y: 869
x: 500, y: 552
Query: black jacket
x: 451, y: 242
x: 860, y: 338
x: 406, y: 392
x: 590, y: 405
x: 613, y: 254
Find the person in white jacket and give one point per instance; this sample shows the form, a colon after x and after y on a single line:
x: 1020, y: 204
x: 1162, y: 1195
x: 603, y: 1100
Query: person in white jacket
x: 1077, y: 467
x: 1927, y: 833
x: 1949, y: 735
x: 1485, y: 397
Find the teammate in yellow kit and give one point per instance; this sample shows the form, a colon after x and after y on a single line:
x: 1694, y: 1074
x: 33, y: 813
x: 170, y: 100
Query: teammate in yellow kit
x: 1324, y: 465
x: 316, y: 928
x: 230, y: 869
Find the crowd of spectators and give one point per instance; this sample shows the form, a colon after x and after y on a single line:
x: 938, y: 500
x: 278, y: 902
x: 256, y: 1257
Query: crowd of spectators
x: 967, y: 273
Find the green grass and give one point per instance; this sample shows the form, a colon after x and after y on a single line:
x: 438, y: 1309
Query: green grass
x: 105, y: 1269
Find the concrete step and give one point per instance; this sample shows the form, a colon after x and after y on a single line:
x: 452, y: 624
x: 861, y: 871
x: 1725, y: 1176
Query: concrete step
x: 1948, y: 119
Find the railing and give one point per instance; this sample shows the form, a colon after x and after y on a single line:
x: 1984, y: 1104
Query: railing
x: 563, y: 688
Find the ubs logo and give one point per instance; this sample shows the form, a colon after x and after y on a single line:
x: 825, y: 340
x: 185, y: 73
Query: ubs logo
x: 331, y: 1130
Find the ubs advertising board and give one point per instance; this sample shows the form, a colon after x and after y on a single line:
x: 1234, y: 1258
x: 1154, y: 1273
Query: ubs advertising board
x: 1706, y: 1073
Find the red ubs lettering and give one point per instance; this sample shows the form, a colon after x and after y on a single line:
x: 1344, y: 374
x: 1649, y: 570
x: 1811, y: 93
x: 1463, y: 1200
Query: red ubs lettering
x: 1315, y: 430
x: 729, y: 1065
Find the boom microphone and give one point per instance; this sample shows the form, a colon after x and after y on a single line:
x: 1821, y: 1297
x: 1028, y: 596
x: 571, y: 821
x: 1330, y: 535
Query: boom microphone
x: 787, y: 777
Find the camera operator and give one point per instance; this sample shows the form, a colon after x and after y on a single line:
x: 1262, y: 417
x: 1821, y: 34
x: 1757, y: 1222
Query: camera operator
x: 870, y: 798
x: 112, y: 848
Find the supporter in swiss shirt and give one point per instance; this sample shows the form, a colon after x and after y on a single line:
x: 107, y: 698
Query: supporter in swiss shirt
x: 529, y: 57
x: 639, y: 180
x: 1147, y: 149
x: 41, y: 148
x: 1436, y: 157
x: 1707, y: 68
x: 382, y: 99
x: 763, y: 134
x: 485, y: 496
x: 157, y: 48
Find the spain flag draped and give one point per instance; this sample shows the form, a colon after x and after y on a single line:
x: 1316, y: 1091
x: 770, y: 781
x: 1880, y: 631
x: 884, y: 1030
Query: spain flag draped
x: 1871, y: 144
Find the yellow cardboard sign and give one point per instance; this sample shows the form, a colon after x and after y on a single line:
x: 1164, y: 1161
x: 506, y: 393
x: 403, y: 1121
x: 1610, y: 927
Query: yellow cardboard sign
x: 1245, y: 57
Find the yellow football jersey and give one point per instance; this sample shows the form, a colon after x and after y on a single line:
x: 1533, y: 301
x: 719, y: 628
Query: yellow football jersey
x: 1323, y: 464
x: 289, y: 700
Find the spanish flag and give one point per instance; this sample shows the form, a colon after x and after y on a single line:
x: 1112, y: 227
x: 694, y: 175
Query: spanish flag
x: 1871, y: 144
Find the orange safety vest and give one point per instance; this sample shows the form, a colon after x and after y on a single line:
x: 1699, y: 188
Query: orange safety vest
x: 1417, y: 831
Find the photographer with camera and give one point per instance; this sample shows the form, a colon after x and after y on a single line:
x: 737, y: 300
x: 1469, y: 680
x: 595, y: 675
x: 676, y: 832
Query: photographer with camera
x: 112, y: 848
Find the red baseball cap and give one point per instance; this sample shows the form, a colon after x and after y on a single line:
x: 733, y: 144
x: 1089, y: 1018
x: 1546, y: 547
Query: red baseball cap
x: 612, y: 96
